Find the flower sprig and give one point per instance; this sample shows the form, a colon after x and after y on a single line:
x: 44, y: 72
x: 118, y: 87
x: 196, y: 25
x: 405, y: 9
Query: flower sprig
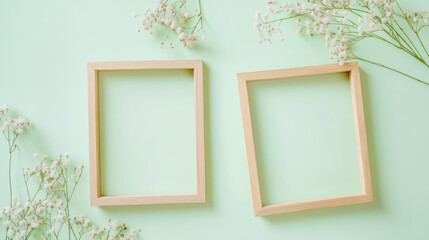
x: 344, y: 23
x: 11, y: 129
x: 172, y: 16
x: 47, y: 209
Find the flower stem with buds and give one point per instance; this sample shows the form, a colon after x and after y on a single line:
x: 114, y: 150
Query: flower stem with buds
x: 383, y: 20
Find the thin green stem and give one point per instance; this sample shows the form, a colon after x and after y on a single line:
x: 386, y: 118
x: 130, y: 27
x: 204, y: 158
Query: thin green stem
x: 201, y: 11
x: 423, y: 45
x: 10, y: 178
x: 67, y: 200
x: 392, y: 69
x: 281, y: 19
x: 414, y: 30
x: 406, y: 35
x: 385, y: 40
x: 395, y: 35
x: 196, y: 24
x: 178, y: 10
x: 26, y: 185
x: 201, y: 15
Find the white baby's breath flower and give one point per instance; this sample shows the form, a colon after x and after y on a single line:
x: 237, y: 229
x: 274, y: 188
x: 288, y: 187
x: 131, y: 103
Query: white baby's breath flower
x: 6, y: 223
x: 4, y: 108
x: 6, y: 125
x: 86, y: 222
x: 59, y: 216
x: 34, y: 224
x: 265, y: 17
x: 20, y: 220
x: 59, y: 203
x: 132, y: 233
x: 55, y: 164
x: 258, y: 15
x: 52, y: 230
x: 10, y: 232
x: 181, y: 36
x: 173, y: 25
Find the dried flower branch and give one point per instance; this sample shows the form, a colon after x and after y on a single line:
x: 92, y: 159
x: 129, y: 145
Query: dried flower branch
x: 47, y: 209
x: 344, y: 23
x: 172, y: 15
x: 11, y: 129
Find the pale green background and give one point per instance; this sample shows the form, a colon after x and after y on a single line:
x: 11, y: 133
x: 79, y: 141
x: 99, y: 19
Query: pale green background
x: 44, y: 48
x: 147, y: 132
x: 304, y: 138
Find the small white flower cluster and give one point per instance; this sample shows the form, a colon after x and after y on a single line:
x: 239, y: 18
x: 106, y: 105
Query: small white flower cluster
x: 50, y: 213
x: 419, y: 18
x: 3, y: 110
x: 18, y: 223
x: 385, y: 6
x: 10, y: 125
x: 47, y: 209
x: 51, y: 175
x: 319, y: 17
x: 342, y: 22
x: 172, y: 16
x: 113, y: 231
x: 340, y: 47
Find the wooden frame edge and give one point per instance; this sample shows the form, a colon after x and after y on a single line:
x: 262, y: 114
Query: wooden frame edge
x: 93, y: 68
x: 199, y: 128
x: 313, y: 204
x: 148, y: 200
x: 93, y: 126
x: 360, y: 131
x: 250, y: 145
x: 146, y: 65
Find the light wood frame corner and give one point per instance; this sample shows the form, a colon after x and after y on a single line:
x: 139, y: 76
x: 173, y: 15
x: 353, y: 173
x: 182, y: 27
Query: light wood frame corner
x: 94, y: 68
x: 366, y: 194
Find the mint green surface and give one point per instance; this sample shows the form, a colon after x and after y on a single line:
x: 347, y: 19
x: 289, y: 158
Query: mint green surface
x: 45, y: 45
x: 304, y: 138
x: 147, y: 132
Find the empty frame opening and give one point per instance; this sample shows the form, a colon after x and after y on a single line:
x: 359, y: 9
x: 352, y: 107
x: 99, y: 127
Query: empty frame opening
x: 304, y: 138
x: 147, y: 132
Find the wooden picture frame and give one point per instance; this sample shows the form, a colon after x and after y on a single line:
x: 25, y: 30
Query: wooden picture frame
x: 94, y: 132
x: 359, y: 124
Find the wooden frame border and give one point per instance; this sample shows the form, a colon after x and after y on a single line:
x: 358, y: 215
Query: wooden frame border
x: 94, y: 132
x: 359, y: 123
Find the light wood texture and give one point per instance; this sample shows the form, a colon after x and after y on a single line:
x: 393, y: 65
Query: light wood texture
x: 94, y: 132
x: 359, y: 122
